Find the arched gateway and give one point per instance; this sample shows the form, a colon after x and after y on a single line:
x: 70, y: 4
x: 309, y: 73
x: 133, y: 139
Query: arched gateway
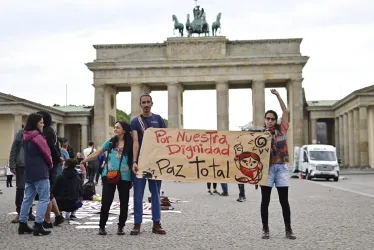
x: 197, y: 63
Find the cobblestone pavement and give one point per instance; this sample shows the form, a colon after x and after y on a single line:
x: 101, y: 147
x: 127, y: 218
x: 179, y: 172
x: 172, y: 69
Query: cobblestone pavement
x: 325, y: 215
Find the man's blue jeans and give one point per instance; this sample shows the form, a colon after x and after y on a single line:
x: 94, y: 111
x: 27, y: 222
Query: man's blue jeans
x: 224, y: 187
x: 154, y: 188
x: 31, y: 189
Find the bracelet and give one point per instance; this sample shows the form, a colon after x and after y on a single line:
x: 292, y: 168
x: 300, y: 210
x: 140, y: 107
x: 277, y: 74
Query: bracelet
x: 135, y: 162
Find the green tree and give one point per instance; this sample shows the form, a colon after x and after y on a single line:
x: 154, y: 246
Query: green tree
x: 123, y: 116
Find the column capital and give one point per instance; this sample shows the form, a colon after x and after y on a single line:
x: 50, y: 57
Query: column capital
x: 98, y: 85
x: 296, y: 79
x: 176, y: 84
x: 135, y: 84
x: 258, y: 80
x: 222, y: 82
x: 222, y: 86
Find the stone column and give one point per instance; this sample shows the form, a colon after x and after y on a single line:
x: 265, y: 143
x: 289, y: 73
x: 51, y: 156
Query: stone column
x: 104, y: 113
x: 84, y: 136
x: 17, y: 123
x: 296, y: 108
x: 313, y: 130
x: 222, y: 91
x: 345, y: 138
x: 258, y: 103
x: 336, y: 136
x: 371, y: 135
x: 54, y: 126
x: 100, y: 116
x: 175, y: 112
x: 364, y: 157
x: 306, y: 129
x: 351, y: 156
x: 341, y: 138
x: 356, y: 136
x: 61, y: 130
x: 136, y: 92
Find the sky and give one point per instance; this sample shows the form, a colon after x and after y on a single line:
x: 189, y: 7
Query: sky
x: 45, y: 45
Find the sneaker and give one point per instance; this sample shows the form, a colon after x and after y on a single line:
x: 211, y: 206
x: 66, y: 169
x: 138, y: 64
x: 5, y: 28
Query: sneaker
x: 240, y: 199
x: 73, y: 217
x: 224, y: 194
x: 290, y: 235
x: 16, y: 219
x: 215, y: 191
x: 210, y: 192
x: 265, y: 233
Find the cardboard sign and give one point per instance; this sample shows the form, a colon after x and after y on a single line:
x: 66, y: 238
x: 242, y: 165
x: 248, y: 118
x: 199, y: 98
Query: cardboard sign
x: 207, y: 156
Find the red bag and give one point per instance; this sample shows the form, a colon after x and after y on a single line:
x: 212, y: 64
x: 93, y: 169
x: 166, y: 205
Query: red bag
x: 114, y: 177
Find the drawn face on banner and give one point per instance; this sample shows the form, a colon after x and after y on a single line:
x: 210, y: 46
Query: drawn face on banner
x: 249, y: 161
x: 249, y: 164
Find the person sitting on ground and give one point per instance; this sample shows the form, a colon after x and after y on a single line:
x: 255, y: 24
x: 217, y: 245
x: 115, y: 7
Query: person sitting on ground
x: 68, y: 190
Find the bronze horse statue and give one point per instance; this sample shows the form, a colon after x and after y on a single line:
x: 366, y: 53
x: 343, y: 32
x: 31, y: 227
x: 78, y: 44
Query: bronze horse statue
x: 216, y: 25
x: 178, y: 26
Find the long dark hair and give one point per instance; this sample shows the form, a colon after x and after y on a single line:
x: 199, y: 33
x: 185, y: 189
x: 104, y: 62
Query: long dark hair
x: 32, y: 122
x: 128, y: 140
x: 276, y: 126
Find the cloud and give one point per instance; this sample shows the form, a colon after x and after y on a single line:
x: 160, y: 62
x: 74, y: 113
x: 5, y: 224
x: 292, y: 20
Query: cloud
x: 45, y: 45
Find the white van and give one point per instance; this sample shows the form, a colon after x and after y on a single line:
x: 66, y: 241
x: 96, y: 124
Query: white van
x: 318, y: 161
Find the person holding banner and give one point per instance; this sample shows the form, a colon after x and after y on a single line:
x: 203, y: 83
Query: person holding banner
x: 138, y: 125
x: 278, y: 169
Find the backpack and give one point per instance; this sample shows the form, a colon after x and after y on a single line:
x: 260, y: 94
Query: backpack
x: 94, y: 163
x: 88, y: 190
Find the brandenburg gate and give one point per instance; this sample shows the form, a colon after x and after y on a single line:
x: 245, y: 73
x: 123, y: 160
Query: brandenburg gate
x: 199, y: 63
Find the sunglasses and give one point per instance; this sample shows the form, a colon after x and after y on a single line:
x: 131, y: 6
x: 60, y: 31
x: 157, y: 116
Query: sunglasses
x: 270, y: 119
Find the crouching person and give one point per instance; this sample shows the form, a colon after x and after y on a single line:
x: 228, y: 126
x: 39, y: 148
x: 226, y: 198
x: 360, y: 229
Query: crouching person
x: 38, y: 160
x: 68, y: 190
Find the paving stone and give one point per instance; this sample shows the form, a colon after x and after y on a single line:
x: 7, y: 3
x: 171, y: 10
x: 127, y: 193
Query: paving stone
x: 323, y: 217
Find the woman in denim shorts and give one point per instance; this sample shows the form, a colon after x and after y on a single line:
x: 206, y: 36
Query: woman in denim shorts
x: 278, y: 169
